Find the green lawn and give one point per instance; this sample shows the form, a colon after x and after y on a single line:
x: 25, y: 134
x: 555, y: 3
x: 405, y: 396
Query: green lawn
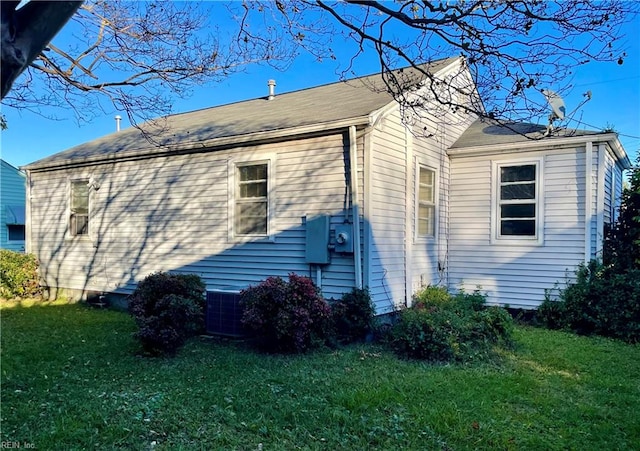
x: 71, y: 379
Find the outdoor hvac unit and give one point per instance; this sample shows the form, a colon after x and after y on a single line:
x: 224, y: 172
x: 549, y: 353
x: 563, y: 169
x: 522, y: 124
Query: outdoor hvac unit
x: 224, y: 313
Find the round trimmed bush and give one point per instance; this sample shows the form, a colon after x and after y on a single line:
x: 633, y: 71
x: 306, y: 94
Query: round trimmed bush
x: 287, y: 317
x: 168, y: 309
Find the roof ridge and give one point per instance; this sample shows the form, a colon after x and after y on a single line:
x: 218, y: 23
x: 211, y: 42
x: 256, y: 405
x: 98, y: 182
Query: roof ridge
x: 285, y: 93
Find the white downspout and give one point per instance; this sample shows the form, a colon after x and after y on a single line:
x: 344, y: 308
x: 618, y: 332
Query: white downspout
x: 28, y: 248
x: 408, y: 219
x: 588, y: 211
x: 600, y: 199
x: 355, y: 216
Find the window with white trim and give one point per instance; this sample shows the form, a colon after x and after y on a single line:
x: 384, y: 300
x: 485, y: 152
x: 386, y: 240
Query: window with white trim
x: 426, y: 206
x: 79, y: 208
x: 251, y: 213
x: 518, y: 200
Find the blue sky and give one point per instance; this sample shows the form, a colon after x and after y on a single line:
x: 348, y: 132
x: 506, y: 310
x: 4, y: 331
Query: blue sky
x: 615, y: 102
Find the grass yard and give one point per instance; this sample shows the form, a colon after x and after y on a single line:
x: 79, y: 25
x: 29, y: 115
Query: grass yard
x: 71, y: 379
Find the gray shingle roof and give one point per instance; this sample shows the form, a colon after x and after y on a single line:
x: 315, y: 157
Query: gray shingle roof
x: 485, y: 132
x: 331, y: 103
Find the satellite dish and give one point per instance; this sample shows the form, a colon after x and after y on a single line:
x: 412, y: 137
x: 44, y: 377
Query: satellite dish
x: 558, y: 109
x: 556, y: 103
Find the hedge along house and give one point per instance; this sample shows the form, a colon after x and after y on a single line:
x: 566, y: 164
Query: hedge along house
x: 12, y: 207
x: 338, y: 182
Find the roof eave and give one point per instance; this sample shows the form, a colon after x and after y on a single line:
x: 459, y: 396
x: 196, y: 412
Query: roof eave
x: 545, y: 144
x: 201, y: 146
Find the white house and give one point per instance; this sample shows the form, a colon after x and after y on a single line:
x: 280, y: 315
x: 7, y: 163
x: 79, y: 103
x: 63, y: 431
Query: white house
x: 12, y: 202
x: 337, y: 182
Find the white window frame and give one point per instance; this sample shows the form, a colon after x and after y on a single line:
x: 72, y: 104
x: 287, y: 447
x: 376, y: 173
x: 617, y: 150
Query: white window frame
x: 233, y: 179
x: 496, y: 237
x: 436, y: 182
x: 72, y: 234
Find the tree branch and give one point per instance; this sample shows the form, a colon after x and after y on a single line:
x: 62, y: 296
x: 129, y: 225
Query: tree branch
x: 26, y: 32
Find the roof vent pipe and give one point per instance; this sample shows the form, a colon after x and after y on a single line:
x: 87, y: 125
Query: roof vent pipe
x: 118, y: 118
x: 272, y: 89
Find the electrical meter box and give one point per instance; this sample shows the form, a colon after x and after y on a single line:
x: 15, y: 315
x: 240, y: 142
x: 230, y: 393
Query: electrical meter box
x: 344, y: 238
x: 317, y: 240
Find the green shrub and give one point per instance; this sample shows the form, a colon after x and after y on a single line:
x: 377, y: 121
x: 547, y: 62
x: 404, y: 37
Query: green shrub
x: 352, y: 315
x: 551, y: 313
x: 432, y: 296
x: 605, y: 298
x: 168, y: 309
x: 446, y: 328
x: 18, y: 275
x: 288, y: 317
x: 601, y: 301
x: 426, y: 334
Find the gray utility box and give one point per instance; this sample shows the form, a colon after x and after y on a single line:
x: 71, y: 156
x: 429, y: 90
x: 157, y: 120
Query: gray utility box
x: 223, y: 313
x: 344, y: 238
x: 317, y: 240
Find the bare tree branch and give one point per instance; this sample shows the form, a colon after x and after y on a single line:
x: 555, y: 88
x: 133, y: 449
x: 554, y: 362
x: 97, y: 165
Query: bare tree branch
x: 513, y: 48
x: 153, y: 51
x: 136, y: 57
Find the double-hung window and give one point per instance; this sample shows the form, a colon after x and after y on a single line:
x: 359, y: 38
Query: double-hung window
x: 79, y: 208
x: 251, y: 215
x: 518, y: 201
x: 426, y: 205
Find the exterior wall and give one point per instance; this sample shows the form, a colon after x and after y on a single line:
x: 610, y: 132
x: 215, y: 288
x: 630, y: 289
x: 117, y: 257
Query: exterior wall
x: 517, y: 274
x: 612, y: 189
x: 400, y: 261
x: 12, y: 194
x: 606, y: 195
x: 172, y: 214
x: 429, y: 257
x: 386, y: 212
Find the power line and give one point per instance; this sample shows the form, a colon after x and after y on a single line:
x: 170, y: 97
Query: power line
x: 635, y: 77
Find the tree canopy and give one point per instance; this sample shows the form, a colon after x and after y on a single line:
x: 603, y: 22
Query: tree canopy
x: 137, y: 57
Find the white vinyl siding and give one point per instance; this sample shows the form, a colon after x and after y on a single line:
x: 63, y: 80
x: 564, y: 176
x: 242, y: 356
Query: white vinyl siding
x: 400, y: 259
x: 612, y: 189
x: 386, y: 213
x: 172, y: 213
x: 516, y: 273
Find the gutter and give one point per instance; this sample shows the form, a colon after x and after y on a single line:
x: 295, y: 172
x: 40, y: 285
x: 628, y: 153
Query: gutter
x: 546, y: 144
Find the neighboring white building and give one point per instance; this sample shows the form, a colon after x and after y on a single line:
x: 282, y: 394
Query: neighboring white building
x: 336, y: 182
x: 12, y: 201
